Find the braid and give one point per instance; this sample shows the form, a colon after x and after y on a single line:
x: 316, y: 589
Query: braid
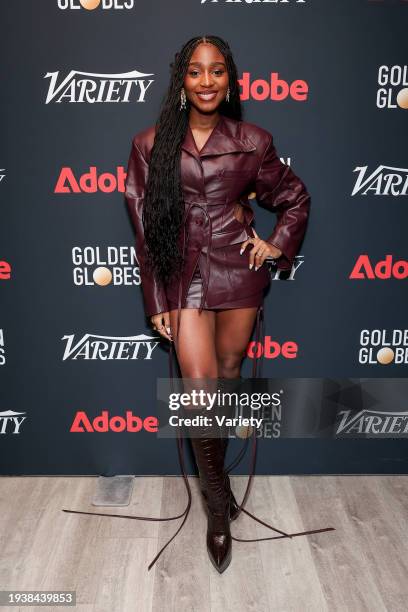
x: 163, y: 207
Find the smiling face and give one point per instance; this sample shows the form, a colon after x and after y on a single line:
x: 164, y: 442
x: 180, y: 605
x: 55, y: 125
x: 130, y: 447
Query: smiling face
x: 206, y: 80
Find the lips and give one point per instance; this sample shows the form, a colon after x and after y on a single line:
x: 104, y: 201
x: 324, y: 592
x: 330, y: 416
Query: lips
x: 208, y: 95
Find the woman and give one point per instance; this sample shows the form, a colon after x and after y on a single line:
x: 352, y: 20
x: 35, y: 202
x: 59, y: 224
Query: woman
x: 187, y: 187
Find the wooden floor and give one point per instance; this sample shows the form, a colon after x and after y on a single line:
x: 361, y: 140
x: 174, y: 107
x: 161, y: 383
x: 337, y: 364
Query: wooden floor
x: 363, y: 565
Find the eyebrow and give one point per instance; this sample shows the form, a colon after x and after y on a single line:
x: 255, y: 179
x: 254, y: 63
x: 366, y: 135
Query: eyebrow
x: 212, y: 63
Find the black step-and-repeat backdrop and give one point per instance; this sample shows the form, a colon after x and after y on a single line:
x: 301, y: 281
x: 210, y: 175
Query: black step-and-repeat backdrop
x: 78, y: 360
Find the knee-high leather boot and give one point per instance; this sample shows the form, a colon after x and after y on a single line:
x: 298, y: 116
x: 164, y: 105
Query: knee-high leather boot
x: 215, y: 484
x: 227, y: 385
x: 209, y: 455
x: 209, y: 452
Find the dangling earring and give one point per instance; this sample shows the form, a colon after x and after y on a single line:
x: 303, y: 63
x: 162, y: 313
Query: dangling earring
x: 183, y: 99
x: 228, y: 94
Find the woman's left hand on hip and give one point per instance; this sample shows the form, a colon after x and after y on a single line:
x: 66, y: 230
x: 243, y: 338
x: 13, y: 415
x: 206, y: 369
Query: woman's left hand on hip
x: 260, y: 251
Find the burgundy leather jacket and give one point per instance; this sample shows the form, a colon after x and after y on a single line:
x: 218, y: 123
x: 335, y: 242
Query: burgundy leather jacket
x: 238, y: 160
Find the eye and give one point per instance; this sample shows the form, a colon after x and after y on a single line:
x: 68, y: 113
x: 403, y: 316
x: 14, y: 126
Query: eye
x: 218, y: 72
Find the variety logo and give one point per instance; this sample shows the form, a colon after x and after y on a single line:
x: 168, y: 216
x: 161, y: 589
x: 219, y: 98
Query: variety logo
x: 91, y: 5
x: 5, y: 270
x: 271, y: 349
x: 287, y: 274
x: 383, y: 269
x: 93, y: 347
x: 2, y: 175
x: 393, y: 87
x: 373, y: 422
x: 103, y: 423
x: 10, y: 421
x: 91, y: 182
x: 119, y: 266
x: 2, y: 349
x: 92, y: 87
x: 380, y: 346
x: 385, y: 180
x: 276, y: 89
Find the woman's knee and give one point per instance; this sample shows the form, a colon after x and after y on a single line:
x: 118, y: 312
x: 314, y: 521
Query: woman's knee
x: 229, y: 365
x: 189, y: 371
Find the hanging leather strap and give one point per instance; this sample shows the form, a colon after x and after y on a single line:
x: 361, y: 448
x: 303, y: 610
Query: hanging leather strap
x: 234, y: 463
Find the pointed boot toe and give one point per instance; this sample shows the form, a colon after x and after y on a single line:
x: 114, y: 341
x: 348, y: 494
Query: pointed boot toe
x: 219, y: 550
x: 219, y: 540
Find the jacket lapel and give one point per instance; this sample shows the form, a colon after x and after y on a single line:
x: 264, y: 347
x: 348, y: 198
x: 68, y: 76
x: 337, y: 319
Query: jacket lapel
x: 223, y: 139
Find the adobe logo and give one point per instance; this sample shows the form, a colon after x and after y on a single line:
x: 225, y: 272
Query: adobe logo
x: 271, y: 349
x: 103, y: 423
x: 383, y: 269
x: 5, y: 270
x: 91, y: 182
x: 276, y: 89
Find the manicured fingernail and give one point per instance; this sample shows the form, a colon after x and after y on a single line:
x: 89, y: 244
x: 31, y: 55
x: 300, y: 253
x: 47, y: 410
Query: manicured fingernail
x: 241, y: 251
x: 256, y: 267
x: 250, y: 266
x: 168, y: 330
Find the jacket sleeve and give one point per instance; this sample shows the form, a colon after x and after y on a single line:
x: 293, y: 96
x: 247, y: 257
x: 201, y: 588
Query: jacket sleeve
x: 279, y: 189
x: 154, y: 296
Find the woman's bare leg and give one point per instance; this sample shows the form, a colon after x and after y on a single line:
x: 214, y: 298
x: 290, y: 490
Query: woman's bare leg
x: 197, y: 359
x: 233, y: 329
x: 196, y: 353
x: 214, y: 342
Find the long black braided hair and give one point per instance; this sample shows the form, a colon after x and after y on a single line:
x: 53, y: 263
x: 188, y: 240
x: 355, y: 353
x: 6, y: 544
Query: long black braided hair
x: 163, y: 206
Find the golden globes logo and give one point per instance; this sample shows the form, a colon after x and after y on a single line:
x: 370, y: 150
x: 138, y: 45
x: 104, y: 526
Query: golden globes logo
x: 383, y: 347
x: 111, y: 266
x: 393, y: 90
x: 91, y: 5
